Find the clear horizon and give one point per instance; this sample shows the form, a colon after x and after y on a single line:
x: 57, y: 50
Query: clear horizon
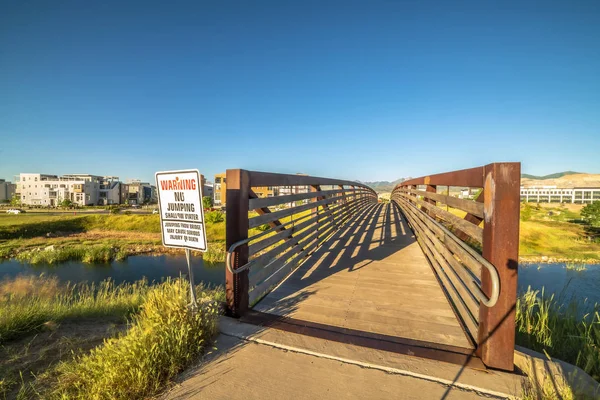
x: 370, y: 92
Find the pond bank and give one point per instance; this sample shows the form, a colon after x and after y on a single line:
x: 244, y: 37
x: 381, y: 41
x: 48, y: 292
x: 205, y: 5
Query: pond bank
x: 151, y: 267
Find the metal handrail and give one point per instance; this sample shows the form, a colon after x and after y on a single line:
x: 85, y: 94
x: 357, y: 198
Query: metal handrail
x: 489, y: 266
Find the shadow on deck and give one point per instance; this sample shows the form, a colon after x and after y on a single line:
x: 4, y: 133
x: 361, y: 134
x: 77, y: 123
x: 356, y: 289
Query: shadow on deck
x: 370, y: 284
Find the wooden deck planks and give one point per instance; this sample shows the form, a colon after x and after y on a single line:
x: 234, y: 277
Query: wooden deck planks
x: 372, y: 277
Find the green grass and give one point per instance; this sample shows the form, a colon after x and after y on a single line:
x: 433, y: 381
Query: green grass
x: 32, y: 225
x: 557, y: 235
x: 545, y: 325
x: 28, y: 304
x: 215, y: 253
x: 162, y: 338
x: 89, y: 238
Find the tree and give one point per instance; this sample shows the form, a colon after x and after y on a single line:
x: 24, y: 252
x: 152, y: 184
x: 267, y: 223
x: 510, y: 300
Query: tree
x: 591, y: 213
x: 66, y: 203
x: 207, y: 202
x: 15, y: 201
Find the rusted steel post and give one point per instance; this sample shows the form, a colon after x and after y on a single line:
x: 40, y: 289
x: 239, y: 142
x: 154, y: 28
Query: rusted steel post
x: 413, y: 187
x: 501, y: 248
x: 237, y: 195
x: 431, y: 189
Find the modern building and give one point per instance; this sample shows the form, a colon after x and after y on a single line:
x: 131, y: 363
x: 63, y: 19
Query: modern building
x: 219, y: 189
x: 7, y: 191
x: 208, y: 190
x: 136, y: 192
x: 82, y: 189
x: 289, y: 190
x: 553, y: 194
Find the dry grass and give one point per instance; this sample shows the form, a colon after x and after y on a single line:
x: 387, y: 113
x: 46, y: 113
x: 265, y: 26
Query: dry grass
x: 22, y: 287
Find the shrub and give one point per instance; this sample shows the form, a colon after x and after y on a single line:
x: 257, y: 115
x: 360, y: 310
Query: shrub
x: 214, y: 254
x: 544, y: 325
x: 207, y: 202
x: 164, y: 338
x: 591, y: 213
x: 263, y: 227
x: 214, y: 217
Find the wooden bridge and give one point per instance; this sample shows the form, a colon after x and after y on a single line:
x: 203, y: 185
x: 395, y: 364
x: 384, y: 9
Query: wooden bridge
x: 427, y: 274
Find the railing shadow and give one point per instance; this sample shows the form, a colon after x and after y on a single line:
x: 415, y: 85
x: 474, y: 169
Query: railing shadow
x: 368, y: 237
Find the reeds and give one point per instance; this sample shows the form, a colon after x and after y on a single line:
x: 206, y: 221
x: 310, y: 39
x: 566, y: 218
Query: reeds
x: 544, y: 324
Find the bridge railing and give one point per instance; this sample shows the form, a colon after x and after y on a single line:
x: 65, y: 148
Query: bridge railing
x: 268, y: 236
x: 473, y: 247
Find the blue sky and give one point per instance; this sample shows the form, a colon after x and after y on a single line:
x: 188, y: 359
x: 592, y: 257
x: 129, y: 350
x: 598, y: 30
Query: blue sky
x: 371, y: 90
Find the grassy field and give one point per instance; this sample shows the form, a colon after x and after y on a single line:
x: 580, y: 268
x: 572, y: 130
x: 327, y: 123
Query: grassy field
x: 552, y: 231
x: 104, y: 341
x: 556, y: 232
x: 43, y: 238
x: 94, y: 238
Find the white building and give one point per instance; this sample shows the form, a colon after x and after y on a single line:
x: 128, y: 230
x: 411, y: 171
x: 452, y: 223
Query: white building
x: 207, y: 190
x: 7, y: 190
x: 553, y: 194
x: 81, y: 189
x: 288, y: 190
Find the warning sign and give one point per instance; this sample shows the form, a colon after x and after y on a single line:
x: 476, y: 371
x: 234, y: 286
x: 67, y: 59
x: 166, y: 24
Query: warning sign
x: 181, y: 212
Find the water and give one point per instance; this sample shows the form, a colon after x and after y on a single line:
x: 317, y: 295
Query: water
x: 131, y: 270
x: 565, y: 284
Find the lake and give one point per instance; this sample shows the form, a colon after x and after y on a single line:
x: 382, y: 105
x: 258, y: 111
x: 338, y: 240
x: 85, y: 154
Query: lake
x: 565, y: 284
x: 154, y: 268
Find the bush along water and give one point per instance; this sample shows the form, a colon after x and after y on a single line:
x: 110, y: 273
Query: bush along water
x: 545, y: 325
x: 164, y: 338
x: 99, y: 253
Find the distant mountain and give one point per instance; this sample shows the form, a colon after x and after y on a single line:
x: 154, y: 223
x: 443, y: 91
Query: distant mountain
x: 551, y: 176
x: 384, y: 186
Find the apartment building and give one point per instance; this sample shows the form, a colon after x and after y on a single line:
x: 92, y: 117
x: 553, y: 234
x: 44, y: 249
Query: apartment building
x: 7, y: 190
x: 82, y: 189
x: 219, y: 189
x: 136, y: 192
x: 553, y: 194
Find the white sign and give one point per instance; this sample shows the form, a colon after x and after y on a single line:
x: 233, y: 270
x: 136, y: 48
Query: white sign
x: 181, y: 211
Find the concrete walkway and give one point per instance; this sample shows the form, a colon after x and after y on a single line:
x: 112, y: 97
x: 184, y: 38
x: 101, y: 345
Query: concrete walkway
x: 252, y: 362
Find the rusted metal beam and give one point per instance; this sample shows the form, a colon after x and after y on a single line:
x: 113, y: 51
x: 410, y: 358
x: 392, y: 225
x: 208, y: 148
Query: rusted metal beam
x: 271, y: 179
x: 501, y: 248
x: 238, y: 195
x: 472, y: 177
